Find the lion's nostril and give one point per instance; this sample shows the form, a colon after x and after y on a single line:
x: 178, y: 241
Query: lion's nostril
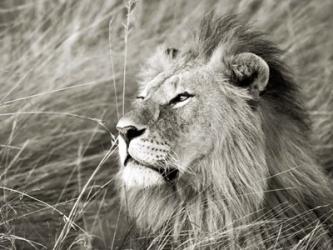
x: 134, y: 132
x: 130, y: 132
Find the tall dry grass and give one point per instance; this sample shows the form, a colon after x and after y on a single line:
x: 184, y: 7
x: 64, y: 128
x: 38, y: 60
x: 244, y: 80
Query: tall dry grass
x: 67, y: 70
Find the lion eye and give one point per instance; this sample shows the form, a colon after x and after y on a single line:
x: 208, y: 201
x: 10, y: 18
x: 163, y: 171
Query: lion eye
x: 180, y: 98
x: 139, y: 97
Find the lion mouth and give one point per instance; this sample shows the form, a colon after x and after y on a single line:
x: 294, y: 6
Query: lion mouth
x: 169, y: 174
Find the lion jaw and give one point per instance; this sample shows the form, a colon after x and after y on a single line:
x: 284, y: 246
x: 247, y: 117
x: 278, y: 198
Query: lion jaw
x: 135, y: 175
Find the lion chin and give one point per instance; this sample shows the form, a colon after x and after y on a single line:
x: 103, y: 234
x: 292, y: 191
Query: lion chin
x: 134, y: 174
x: 138, y: 176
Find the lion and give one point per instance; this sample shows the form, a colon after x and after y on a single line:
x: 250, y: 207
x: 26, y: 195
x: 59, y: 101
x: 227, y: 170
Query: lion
x: 216, y: 153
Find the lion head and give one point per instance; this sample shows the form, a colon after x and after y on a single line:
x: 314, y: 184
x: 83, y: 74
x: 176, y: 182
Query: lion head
x: 216, y: 130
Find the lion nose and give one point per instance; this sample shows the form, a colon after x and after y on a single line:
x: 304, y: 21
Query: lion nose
x: 129, y: 132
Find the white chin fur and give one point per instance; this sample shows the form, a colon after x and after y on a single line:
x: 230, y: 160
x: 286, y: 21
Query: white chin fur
x: 138, y: 176
x: 122, y: 149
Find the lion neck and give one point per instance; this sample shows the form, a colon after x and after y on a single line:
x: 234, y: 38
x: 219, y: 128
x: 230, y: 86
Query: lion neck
x: 298, y: 197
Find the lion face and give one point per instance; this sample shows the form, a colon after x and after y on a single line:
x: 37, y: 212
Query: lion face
x: 168, y: 130
x: 175, y: 124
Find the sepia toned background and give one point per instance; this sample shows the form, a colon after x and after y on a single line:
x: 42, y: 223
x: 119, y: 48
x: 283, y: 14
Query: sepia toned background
x: 67, y: 73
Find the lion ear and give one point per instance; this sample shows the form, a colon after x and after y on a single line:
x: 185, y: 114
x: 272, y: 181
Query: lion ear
x: 249, y: 71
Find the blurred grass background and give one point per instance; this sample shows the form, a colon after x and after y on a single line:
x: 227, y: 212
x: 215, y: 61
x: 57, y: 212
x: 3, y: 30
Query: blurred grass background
x: 61, y: 93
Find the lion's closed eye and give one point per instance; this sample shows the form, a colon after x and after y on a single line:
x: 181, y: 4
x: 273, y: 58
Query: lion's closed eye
x: 140, y: 97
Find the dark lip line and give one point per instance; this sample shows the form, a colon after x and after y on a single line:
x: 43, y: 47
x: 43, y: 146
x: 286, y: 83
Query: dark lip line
x: 128, y: 158
x: 161, y: 171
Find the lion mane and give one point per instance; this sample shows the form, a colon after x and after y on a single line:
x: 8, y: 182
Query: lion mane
x: 264, y: 189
